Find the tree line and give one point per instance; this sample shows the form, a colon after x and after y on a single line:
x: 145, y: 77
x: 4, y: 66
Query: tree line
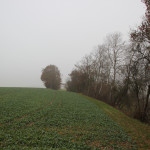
x: 118, y: 72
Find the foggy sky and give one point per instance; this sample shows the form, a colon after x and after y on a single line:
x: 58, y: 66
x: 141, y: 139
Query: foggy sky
x: 36, y: 33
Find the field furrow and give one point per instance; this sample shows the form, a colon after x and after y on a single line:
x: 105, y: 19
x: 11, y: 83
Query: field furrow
x: 57, y: 120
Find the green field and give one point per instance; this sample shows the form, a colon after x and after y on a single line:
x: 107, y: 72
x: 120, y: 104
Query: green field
x: 47, y: 119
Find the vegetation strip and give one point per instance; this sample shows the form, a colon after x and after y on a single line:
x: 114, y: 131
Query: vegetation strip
x: 139, y: 132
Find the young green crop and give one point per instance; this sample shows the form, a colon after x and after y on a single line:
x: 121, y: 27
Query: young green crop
x: 48, y: 119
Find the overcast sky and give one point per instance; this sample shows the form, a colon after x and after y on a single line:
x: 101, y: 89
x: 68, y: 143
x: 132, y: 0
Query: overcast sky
x: 36, y: 33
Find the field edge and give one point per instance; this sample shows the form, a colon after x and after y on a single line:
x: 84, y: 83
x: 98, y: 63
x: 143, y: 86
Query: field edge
x: 140, y: 132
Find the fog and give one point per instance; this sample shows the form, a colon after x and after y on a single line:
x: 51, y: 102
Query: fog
x: 36, y: 33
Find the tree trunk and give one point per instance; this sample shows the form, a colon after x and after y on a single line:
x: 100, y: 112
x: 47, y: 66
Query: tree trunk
x: 146, y: 105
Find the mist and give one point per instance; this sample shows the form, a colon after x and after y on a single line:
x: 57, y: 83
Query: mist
x: 36, y: 33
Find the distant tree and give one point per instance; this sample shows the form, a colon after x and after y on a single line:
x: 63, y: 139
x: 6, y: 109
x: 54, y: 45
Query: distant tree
x: 51, y: 77
x: 77, y: 82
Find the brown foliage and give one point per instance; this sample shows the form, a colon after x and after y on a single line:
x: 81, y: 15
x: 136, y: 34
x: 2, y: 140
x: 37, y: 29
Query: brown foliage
x: 142, y: 34
x: 51, y: 77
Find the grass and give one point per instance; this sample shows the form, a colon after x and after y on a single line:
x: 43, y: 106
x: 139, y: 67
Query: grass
x: 139, y: 132
x: 47, y: 119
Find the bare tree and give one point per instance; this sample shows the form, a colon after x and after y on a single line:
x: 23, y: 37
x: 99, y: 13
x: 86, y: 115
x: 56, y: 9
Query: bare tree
x: 140, y: 76
x: 115, y: 49
x: 101, y: 70
x: 116, y: 73
x: 86, y: 67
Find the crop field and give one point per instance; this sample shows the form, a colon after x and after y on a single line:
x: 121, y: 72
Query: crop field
x: 42, y: 119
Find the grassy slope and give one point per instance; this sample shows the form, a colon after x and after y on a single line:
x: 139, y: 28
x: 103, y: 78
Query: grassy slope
x: 140, y: 132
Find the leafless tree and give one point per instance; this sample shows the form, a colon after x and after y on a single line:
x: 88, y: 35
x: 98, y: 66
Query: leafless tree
x: 115, y: 49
